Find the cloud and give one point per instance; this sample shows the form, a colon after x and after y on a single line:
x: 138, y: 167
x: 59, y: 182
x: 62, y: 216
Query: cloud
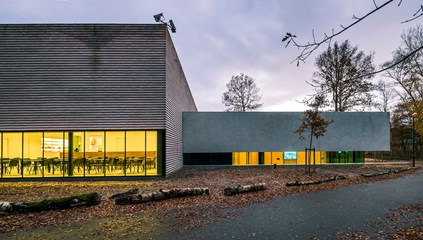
x: 216, y: 39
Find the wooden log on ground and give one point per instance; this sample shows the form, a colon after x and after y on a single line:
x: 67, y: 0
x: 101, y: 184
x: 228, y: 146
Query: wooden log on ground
x: 403, y: 170
x: 243, y: 189
x: 135, y: 198
x: 376, y: 174
x: 298, y: 183
x: 89, y: 199
x: 130, y: 192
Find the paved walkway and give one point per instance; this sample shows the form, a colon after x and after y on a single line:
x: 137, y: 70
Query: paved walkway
x: 320, y: 214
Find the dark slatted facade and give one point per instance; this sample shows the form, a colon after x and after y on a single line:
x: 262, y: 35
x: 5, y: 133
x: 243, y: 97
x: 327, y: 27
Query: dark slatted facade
x: 78, y: 77
x: 178, y: 100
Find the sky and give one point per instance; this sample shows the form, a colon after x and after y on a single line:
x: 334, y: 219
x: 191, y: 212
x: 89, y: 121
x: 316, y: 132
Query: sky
x: 217, y: 39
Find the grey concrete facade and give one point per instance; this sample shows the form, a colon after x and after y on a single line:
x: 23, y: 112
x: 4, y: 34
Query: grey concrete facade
x: 206, y: 132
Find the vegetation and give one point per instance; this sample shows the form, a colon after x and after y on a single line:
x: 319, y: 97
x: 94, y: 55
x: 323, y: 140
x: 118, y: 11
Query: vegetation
x: 339, y: 77
x: 313, y: 124
x: 242, y: 95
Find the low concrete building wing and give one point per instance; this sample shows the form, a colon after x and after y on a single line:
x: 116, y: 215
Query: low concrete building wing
x: 220, y: 133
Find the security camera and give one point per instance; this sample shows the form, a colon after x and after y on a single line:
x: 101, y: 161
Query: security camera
x: 158, y: 17
x: 172, y: 26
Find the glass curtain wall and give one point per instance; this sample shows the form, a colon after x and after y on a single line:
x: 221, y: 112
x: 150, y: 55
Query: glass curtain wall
x: 80, y: 154
x: 279, y: 158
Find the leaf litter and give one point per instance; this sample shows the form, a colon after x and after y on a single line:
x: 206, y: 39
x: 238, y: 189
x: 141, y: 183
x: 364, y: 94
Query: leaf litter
x: 178, y: 214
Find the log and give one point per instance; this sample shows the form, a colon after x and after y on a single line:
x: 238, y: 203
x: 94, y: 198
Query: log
x: 89, y: 199
x: 329, y: 179
x: 229, y: 191
x: 403, y: 170
x: 135, y: 198
x: 124, y: 194
x: 376, y: 174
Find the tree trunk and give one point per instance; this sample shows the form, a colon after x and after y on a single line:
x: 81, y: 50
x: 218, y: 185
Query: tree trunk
x: 242, y: 189
x: 89, y: 199
x: 135, y: 198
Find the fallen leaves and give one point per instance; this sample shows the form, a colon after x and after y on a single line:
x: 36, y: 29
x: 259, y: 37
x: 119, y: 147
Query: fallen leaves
x: 187, y: 212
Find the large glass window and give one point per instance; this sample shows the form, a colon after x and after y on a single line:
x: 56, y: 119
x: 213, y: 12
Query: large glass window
x: 115, y: 153
x: 151, y: 156
x: 78, y: 164
x: 135, y: 153
x: 245, y: 158
x: 54, y: 145
x: 94, y: 153
x: 12, y: 154
x: 33, y: 161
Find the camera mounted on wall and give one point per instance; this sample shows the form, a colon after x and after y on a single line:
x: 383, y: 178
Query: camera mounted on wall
x: 160, y: 18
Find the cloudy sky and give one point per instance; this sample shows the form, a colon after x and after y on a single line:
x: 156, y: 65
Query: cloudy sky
x: 216, y: 39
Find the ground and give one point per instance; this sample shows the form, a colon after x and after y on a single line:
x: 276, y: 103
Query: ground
x: 108, y: 220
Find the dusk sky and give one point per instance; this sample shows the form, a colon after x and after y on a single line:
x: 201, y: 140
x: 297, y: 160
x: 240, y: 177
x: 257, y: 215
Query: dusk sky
x: 216, y: 39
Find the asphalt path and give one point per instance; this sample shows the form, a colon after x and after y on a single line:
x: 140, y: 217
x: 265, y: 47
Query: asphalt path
x: 319, y: 214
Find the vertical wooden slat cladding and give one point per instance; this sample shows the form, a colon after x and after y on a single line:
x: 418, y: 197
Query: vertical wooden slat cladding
x: 178, y: 100
x: 82, y: 76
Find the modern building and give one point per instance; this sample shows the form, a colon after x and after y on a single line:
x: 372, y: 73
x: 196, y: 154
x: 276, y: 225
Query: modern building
x: 106, y: 100
x: 90, y: 100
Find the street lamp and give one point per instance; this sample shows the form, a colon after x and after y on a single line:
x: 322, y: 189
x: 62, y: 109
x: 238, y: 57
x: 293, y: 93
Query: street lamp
x: 413, y: 116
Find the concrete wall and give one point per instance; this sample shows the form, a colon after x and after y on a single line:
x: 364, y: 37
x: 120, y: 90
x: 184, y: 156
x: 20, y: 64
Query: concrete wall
x: 274, y: 131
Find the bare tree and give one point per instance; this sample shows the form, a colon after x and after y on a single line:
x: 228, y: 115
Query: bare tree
x: 242, y: 95
x: 408, y: 75
x: 338, y: 76
x: 309, y: 47
x: 386, y: 96
x: 313, y: 124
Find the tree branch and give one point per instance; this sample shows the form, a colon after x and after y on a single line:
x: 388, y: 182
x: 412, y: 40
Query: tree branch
x: 309, y: 48
x: 391, y: 65
x: 415, y: 16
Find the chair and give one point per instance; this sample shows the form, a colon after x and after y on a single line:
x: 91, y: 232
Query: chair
x: 28, y: 165
x: 110, y: 164
x: 78, y: 163
x: 151, y: 162
x: 13, y: 163
x: 95, y: 164
x: 140, y: 163
x: 49, y: 164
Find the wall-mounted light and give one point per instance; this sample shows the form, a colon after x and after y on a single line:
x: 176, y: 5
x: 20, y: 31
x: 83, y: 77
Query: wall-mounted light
x: 160, y: 18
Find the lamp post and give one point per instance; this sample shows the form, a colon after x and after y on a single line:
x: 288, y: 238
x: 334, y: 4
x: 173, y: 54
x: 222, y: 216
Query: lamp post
x: 413, y: 116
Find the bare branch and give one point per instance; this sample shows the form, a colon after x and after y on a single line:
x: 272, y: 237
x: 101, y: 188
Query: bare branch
x: 391, y: 65
x: 375, y: 3
x: 308, y: 49
x: 415, y: 16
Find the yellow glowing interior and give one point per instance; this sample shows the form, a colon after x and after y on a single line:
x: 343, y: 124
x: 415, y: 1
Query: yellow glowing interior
x: 93, y: 153
x: 270, y: 158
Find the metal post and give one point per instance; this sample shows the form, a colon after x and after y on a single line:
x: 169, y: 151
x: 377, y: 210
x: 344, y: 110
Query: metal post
x: 305, y: 160
x: 414, y: 139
